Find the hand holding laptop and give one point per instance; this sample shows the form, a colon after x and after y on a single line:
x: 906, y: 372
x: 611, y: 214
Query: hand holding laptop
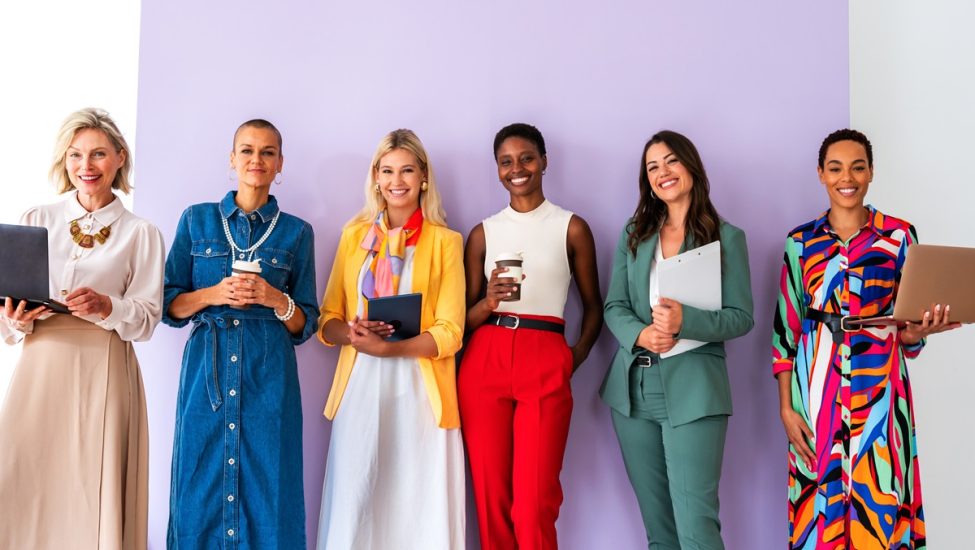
x: 934, y: 320
x: 18, y: 314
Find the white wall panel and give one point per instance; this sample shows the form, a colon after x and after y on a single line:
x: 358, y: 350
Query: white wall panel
x: 58, y: 56
x: 912, y: 91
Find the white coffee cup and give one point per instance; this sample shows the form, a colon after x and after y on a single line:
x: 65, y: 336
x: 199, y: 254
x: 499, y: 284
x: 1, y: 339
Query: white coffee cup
x: 239, y: 267
x: 513, y: 262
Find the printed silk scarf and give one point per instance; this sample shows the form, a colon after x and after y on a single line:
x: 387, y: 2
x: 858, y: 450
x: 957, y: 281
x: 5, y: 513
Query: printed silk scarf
x: 388, y: 247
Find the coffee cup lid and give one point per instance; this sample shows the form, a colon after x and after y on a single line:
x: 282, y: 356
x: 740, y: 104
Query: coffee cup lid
x: 508, y: 256
x: 253, y: 267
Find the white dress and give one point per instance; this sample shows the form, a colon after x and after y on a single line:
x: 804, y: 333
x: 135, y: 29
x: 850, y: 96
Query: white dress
x: 394, y: 480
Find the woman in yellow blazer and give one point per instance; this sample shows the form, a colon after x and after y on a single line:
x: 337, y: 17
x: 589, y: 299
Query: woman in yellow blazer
x: 393, y: 403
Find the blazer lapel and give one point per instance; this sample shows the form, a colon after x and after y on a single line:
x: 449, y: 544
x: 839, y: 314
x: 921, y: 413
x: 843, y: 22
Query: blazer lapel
x: 640, y: 277
x: 353, y: 266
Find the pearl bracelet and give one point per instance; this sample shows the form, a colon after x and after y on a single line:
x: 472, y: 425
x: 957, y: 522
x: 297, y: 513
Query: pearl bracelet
x: 289, y: 313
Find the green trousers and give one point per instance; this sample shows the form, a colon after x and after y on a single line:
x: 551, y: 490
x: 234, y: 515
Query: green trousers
x: 674, y: 470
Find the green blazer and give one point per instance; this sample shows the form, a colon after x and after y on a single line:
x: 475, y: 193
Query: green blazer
x: 695, y: 382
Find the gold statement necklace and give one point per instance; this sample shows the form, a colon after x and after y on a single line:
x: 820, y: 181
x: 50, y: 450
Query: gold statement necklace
x: 85, y: 240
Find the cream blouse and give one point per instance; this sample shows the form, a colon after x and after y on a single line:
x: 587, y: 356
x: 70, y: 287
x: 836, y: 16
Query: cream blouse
x: 128, y: 267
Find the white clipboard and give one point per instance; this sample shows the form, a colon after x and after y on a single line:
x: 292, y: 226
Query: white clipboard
x: 694, y: 279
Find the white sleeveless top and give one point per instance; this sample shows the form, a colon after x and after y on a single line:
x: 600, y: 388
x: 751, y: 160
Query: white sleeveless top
x: 540, y: 235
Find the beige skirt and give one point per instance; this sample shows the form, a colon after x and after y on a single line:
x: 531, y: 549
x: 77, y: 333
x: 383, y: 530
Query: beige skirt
x: 74, y: 442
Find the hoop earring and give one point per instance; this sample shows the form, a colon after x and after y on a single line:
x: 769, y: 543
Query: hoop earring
x: 377, y: 189
x: 424, y: 185
x: 652, y: 196
x: 277, y: 179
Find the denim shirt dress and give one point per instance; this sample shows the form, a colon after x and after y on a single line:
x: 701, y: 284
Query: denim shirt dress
x: 237, y: 455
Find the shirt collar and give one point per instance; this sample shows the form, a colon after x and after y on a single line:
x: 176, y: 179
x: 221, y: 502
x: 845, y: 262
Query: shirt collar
x: 106, y: 215
x: 228, y: 206
x: 874, y: 221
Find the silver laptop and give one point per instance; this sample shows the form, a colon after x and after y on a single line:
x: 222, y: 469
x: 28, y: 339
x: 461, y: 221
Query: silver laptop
x: 24, y: 266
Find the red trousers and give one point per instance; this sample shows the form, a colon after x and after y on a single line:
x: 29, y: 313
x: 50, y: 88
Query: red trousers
x: 515, y: 405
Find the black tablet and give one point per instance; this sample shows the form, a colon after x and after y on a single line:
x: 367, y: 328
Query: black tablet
x: 402, y: 311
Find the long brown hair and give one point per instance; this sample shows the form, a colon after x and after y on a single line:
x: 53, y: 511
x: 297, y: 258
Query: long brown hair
x: 702, y: 220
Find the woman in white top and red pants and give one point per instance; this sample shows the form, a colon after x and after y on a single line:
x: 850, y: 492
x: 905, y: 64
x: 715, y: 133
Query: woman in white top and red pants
x: 514, y: 383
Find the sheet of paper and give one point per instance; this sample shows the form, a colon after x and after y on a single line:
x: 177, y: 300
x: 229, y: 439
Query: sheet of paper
x: 692, y: 278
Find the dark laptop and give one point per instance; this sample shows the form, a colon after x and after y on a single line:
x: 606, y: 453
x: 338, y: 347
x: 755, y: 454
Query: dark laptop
x: 24, y: 266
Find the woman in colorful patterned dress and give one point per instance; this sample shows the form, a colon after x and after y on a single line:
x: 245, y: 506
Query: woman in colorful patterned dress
x: 845, y: 398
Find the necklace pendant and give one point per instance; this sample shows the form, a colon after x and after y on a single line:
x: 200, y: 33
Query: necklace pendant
x: 85, y: 240
x: 102, y: 235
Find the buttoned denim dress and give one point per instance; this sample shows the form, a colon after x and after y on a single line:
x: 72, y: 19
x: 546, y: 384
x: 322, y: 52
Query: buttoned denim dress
x: 237, y: 455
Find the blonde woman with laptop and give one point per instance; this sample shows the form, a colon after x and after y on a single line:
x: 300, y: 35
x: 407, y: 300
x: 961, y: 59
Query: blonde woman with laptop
x: 74, y: 464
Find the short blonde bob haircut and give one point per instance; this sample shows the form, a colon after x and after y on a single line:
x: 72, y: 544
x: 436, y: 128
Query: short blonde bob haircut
x: 429, y: 200
x: 95, y: 119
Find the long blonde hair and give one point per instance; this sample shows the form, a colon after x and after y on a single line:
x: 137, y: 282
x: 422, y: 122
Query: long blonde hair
x: 95, y: 119
x: 430, y: 201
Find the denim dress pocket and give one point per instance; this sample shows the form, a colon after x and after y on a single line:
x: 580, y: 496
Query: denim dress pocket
x: 211, y: 262
x: 276, y: 265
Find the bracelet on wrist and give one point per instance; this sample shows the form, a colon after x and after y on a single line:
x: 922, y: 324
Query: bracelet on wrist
x: 289, y: 313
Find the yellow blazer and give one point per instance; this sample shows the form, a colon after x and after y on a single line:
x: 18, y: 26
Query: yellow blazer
x: 438, y: 273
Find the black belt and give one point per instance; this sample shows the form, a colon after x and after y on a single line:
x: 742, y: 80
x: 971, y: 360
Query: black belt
x: 836, y: 323
x: 646, y: 361
x: 515, y: 322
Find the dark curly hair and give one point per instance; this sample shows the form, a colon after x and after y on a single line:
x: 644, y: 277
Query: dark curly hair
x: 702, y: 221
x: 846, y: 134
x: 522, y: 130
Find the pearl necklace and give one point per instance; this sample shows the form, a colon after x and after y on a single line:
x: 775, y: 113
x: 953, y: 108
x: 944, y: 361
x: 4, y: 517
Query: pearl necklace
x: 250, y: 251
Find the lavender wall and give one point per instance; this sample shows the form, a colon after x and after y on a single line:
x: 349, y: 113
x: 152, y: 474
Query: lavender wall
x: 756, y: 84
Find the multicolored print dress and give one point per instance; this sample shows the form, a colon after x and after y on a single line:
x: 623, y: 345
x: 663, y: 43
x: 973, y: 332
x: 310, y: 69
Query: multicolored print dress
x: 866, y: 491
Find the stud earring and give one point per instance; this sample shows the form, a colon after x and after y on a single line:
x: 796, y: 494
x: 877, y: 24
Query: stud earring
x: 423, y: 186
x: 543, y: 172
x: 377, y: 188
x: 230, y: 174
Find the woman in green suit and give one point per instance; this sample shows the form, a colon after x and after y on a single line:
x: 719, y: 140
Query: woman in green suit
x: 670, y: 411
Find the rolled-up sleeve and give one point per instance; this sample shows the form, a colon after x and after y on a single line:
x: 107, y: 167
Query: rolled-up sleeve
x: 911, y: 351
x: 789, y: 309
x: 179, y: 269
x: 334, y: 300
x: 303, y: 285
x: 618, y: 310
x: 735, y: 317
x: 450, y: 309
